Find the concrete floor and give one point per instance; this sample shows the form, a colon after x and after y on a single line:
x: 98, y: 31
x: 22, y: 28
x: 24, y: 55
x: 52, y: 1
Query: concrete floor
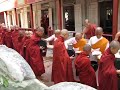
x: 48, y: 68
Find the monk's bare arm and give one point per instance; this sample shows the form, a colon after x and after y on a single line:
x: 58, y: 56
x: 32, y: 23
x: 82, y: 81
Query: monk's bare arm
x: 118, y: 71
x: 117, y: 36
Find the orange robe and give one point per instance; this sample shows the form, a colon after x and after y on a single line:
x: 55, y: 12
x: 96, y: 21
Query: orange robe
x: 101, y: 44
x: 62, y: 65
x: 107, y: 75
x: 34, y: 56
x: 80, y: 44
x: 85, y: 70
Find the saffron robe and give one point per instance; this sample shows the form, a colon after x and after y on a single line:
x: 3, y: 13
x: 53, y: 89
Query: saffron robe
x: 107, y: 75
x: 80, y: 44
x: 85, y: 70
x: 62, y: 65
x: 34, y: 56
x: 101, y: 43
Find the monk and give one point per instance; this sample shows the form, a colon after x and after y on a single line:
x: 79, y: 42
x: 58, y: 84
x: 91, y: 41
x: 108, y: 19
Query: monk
x: 84, y: 68
x: 62, y: 65
x: 33, y: 54
x: 19, y: 40
x: 117, y: 36
x: 54, y: 36
x: 77, y: 42
x: 98, y: 42
x: 89, y: 29
x: 25, y: 41
x: 7, y: 38
x: 107, y: 74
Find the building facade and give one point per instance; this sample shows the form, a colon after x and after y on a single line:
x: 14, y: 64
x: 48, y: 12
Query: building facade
x: 60, y: 14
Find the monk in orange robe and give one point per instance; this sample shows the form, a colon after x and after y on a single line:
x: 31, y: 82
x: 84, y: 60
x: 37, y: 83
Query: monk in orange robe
x: 89, y: 29
x: 84, y: 68
x: 107, y: 74
x: 62, y: 65
x: 33, y: 54
x: 98, y: 41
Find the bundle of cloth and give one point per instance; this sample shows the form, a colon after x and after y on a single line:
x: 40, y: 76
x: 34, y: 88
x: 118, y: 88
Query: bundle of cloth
x: 15, y: 73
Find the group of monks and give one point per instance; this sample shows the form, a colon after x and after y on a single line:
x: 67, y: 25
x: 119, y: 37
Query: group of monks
x: 27, y: 44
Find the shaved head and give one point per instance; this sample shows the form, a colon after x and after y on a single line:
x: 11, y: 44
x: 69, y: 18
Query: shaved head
x: 99, y: 32
x: 87, y: 48
x: 64, y: 33
x: 41, y: 29
x: 78, y: 36
x: 114, y: 46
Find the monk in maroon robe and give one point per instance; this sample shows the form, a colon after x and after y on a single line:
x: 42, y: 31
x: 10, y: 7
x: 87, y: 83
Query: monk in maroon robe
x: 15, y: 35
x: 107, y: 74
x: 84, y: 69
x: 62, y: 65
x: 25, y: 41
x: 19, y: 41
x: 8, y: 39
x: 33, y: 54
x: 89, y: 29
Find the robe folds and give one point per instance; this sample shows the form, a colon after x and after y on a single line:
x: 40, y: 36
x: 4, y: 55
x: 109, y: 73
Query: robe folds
x: 107, y: 75
x: 62, y: 65
x: 102, y: 44
x: 90, y: 31
x: 34, y: 56
x: 25, y: 41
x: 85, y: 70
x: 80, y: 44
x: 8, y: 39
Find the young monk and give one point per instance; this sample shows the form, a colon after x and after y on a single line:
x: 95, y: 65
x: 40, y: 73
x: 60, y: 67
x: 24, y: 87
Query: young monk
x: 107, y: 74
x: 62, y: 65
x: 84, y: 68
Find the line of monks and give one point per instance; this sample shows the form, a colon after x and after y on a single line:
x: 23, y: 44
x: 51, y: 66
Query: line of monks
x: 27, y: 44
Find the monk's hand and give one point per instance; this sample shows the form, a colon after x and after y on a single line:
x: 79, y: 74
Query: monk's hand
x: 118, y: 71
x: 41, y: 47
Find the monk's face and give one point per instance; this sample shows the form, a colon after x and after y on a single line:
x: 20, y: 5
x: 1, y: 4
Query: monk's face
x: 39, y: 33
x: 57, y: 35
x: 114, y: 50
x: 66, y: 36
x: 98, y: 34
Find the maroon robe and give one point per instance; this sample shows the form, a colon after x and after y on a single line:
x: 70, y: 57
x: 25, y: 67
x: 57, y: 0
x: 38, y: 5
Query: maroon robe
x: 34, y: 56
x: 8, y: 39
x: 90, y: 31
x: 107, y: 75
x: 62, y: 64
x: 14, y: 39
x: 25, y: 41
x: 85, y: 70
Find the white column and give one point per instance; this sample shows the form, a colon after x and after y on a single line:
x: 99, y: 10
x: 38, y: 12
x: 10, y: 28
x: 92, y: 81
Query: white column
x: 22, y: 19
x: 50, y: 17
x: 39, y: 18
x: 25, y: 22
x: 78, y: 18
x: 5, y: 19
x: 13, y: 17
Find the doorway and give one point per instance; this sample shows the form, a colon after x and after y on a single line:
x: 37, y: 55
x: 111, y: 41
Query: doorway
x: 106, y: 15
x: 68, y: 17
x: 45, y: 20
